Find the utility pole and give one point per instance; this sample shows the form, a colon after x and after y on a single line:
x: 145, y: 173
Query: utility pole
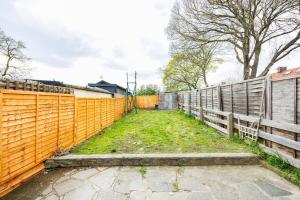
x: 135, y: 99
x: 131, y: 98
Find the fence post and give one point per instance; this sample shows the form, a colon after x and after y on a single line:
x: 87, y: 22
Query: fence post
x: 231, y: 98
x: 182, y: 102
x: 295, y: 112
x: 230, y: 124
x: 219, y: 98
x: 190, y: 103
x: 269, y: 107
x: 201, y: 114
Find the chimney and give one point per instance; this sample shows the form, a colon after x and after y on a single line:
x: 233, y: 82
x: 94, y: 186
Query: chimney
x: 281, y: 69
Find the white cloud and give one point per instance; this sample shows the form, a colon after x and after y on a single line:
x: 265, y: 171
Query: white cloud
x: 118, y: 35
x: 77, y: 41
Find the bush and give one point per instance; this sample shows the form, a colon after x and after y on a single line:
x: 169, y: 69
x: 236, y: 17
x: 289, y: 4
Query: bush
x: 148, y: 90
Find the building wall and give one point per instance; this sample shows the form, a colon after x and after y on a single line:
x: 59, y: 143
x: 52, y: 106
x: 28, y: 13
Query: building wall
x: 91, y: 94
x: 120, y: 91
x: 116, y: 95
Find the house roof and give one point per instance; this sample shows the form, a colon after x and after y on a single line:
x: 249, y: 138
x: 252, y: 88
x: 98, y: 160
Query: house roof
x: 61, y: 84
x: 286, y: 73
x: 105, y: 83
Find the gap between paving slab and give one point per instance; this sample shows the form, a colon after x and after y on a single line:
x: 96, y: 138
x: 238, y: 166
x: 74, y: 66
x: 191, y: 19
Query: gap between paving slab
x: 109, y: 160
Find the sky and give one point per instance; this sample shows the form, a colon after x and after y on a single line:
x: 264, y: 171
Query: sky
x: 83, y: 41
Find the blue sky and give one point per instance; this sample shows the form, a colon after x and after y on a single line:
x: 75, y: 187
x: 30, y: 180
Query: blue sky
x: 79, y: 41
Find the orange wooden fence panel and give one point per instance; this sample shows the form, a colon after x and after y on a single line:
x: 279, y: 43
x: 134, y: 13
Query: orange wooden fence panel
x: 34, y: 125
x: 147, y: 102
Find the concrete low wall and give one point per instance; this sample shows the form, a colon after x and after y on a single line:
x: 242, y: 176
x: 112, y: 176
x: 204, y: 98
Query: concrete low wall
x: 108, y: 160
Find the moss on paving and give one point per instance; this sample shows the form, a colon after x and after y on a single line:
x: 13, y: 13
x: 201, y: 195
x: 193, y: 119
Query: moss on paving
x: 159, y: 132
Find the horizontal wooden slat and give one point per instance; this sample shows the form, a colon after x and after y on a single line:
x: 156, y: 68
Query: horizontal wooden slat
x: 223, y: 130
x: 217, y: 112
x: 280, y: 140
x: 217, y: 120
x: 271, y: 123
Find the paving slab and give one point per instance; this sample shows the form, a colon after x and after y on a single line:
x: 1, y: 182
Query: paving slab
x: 155, y: 183
x: 271, y: 189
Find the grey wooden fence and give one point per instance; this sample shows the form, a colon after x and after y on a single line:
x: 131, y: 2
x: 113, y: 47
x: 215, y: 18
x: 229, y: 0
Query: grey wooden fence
x: 277, y: 100
x: 33, y: 86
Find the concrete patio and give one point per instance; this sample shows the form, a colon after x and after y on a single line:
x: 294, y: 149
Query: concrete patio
x: 182, y: 183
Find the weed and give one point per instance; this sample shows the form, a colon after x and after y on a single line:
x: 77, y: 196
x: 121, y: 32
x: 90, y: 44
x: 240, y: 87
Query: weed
x: 175, y: 186
x: 143, y: 171
x: 180, y: 170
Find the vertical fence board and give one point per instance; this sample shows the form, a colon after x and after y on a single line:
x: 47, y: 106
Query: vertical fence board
x: 58, y: 121
x: 75, y: 121
x: 1, y: 133
x: 36, y: 128
x: 283, y: 100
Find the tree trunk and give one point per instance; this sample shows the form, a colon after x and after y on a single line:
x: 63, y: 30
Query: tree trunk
x: 204, y: 78
x: 6, y: 68
x: 267, y: 69
x: 256, y: 61
x: 246, y: 71
x: 246, y: 58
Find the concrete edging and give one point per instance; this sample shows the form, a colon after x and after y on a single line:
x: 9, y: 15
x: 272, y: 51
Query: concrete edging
x: 109, y: 160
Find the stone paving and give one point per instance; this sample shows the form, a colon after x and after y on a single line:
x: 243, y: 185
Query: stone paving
x: 157, y: 183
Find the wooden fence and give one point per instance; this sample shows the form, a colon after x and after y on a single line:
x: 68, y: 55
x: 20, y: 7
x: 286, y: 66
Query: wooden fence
x: 35, y: 125
x: 147, y: 102
x: 277, y: 100
x: 33, y: 86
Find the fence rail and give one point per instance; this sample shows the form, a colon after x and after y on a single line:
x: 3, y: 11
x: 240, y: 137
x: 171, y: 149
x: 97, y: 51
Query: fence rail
x: 278, y: 101
x: 35, y: 125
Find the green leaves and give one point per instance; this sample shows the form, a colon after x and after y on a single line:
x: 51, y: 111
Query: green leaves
x: 148, y: 90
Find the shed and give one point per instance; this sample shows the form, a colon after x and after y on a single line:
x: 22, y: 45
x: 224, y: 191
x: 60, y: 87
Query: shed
x: 168, y: 101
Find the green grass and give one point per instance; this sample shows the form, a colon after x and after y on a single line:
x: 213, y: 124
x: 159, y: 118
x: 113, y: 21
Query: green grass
x: 278, y: 164
x: 159, y: 132
x: 175, y: 132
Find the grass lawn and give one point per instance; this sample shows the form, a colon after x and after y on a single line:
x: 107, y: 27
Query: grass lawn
x: 159, y: 132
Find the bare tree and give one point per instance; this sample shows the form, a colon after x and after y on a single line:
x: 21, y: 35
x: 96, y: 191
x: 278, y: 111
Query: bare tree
x: 247, y: 25
x: 14, y: 65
